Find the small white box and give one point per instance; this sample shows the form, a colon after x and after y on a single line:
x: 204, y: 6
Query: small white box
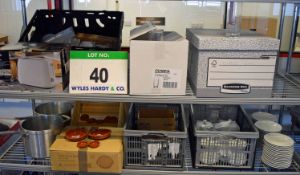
x: 158, y: 62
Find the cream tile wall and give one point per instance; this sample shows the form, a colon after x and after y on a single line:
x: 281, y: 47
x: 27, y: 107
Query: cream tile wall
x: 179, y: 14
x: 11, y: 16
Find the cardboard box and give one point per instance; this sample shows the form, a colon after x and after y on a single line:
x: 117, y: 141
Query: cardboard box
x: 3, y: 39
x: 158, y: 62
x: 264, y: 25
x: 115, y: 132
x: 99, y: 111
x: 156, y: 119
x: 219, y: 65
x: 107, y: 158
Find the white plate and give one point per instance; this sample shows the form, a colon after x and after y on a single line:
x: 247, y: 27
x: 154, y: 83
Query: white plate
x: 272, y: 153
x: 263, y: 116
x: 278, y: 139
x: 279, y: 165
x: 278, y: 159
x: 278, y: 156
x: 268, y: 126
x: 278, y: 147
x: 270, y: 149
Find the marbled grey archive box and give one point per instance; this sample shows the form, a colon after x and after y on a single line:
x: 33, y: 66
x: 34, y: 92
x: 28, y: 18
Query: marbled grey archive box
x: 225, y: 66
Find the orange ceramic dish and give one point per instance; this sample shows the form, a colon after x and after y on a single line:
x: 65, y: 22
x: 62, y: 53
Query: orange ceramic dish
x: 76, y: 135
x: 82, y: 144
x: 99, y: 134
x: 94, y: 144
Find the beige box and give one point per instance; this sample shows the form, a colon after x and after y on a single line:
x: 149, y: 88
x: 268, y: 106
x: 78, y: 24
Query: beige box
x: 99, y: 114
x: 158, y: 62
x: 156, y: 119
x: 107, y: 158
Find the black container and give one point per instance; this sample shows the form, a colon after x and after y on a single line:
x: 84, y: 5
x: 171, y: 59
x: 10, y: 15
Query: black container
x: 108, y: 24
x: 4, y: 66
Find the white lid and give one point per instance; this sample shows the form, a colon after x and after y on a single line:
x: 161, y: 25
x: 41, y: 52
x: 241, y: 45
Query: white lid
x: 216, y: 39
x: 145, y: 28
x: 268, y: 126
x: 263, y: 116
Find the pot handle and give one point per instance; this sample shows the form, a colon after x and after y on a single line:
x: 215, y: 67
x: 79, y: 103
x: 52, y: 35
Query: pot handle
x: 65, y: 118
x: 11, y: 132
x: 22, y: 118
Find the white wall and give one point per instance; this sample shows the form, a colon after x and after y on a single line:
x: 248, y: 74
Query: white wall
x: 11, y: 16
x: 179, y: 14
x: 261, y: 9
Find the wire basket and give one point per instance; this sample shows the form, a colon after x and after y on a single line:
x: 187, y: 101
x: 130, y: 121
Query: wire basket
x: 223, y: 149
x: 145, y: 149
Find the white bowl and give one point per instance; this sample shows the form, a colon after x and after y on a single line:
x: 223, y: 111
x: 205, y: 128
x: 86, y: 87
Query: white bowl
x: 264, y: 116
x: 268, y: 126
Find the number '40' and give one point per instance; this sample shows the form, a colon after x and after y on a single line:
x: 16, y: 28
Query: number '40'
x: 101, y: 75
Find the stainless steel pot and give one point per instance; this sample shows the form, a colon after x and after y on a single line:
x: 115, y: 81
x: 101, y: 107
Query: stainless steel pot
x: 39, y: 133
x: 54, y: 108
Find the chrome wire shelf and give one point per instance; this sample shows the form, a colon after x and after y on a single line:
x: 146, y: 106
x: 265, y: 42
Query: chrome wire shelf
x: 14, y: 158
x: 262, y: 1
x: 259, y: 168
x: 286, y: 91
x: 286, y: 86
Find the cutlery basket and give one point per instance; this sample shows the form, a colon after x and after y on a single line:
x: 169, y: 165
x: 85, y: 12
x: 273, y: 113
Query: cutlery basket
x: 155, y: 149
x: 222, y: 149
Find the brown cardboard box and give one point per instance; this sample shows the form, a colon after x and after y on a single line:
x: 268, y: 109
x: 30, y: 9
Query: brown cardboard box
x: 156, y: 119
x: 115, y: 131
x: 264, y: 25
x: 99, y: 111
x: 107, y: 158
x: 3, y: 39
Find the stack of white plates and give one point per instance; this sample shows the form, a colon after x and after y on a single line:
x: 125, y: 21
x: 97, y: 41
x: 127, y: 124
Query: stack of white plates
x: 278, y: 150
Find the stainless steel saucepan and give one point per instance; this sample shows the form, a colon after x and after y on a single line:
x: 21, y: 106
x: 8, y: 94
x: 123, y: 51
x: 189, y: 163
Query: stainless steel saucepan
x: 39, y: 133
x: 54, y: 108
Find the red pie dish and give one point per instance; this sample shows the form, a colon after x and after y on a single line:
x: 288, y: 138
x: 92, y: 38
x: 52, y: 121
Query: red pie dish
x: 82, y: 144
x: 76, y: 135
x: 94, y: 144
x: 99, y: 134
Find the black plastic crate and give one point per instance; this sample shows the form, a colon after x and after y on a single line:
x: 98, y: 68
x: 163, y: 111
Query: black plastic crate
x: 137, y: 143
x: 98, y: 23
x: 223, y: 149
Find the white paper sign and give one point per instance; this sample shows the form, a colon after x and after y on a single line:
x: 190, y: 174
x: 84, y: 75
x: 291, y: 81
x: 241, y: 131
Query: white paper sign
x: 238, y: 75
x: 98, y: 72
x: 166, y: 78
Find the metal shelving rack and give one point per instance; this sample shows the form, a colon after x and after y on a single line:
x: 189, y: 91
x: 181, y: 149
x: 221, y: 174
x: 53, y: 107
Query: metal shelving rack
x: 286, y: 91
x: 14, y: 159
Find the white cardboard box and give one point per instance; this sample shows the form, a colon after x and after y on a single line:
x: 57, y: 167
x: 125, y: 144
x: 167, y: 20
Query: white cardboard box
x: 157, y: 67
